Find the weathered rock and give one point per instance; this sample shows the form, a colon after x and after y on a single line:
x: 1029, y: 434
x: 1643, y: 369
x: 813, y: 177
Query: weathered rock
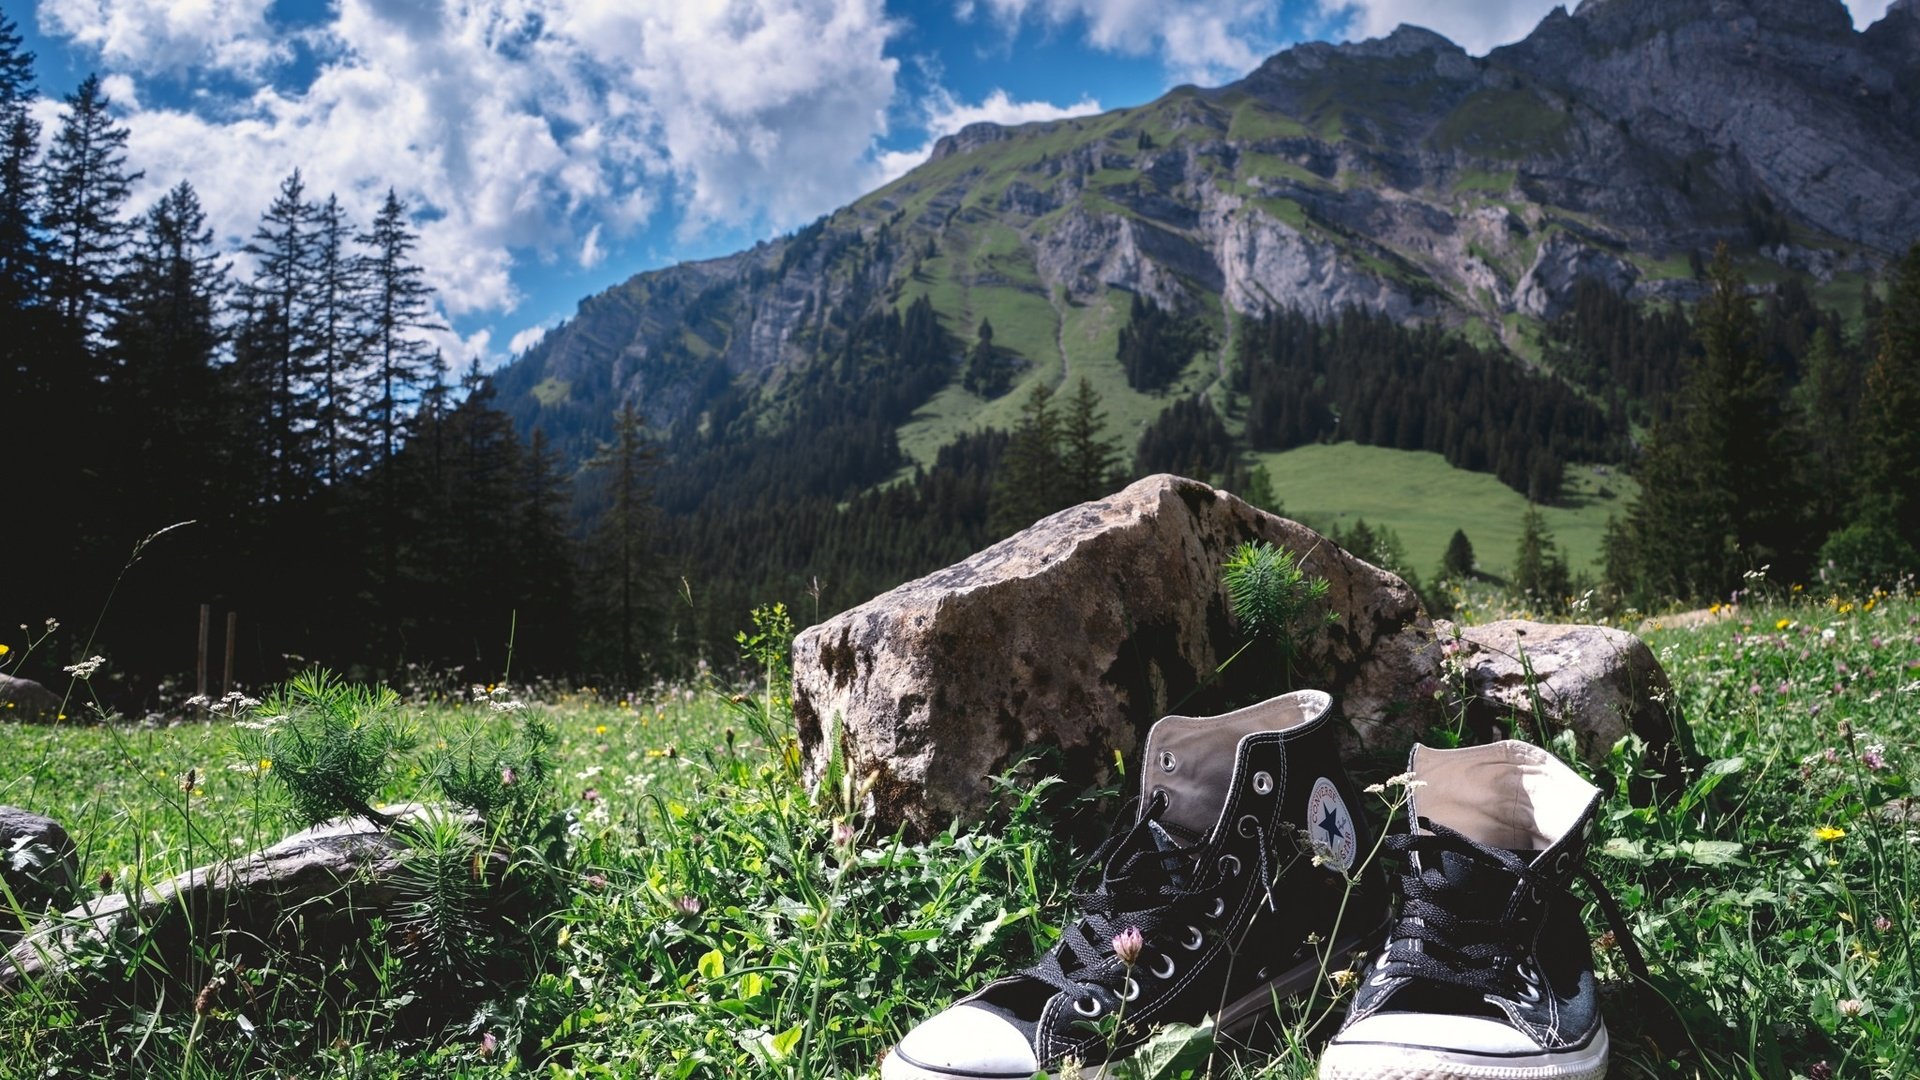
x: 314, y: 891
x: 1596, y: 681
x: 1562, y: 263
x: 24, y: 699
x: 38, y: 863
x: 1077, y: 634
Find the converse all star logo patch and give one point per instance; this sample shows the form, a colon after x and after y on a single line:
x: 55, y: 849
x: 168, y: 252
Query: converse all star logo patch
x: 1331, y: 825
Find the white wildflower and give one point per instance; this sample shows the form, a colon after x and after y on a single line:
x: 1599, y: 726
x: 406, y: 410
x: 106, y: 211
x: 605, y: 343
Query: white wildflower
x: 85, y: 668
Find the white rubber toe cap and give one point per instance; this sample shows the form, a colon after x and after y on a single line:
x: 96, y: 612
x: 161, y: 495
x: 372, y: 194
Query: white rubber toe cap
x: 1474, y: 1034
x: 963, y: 1043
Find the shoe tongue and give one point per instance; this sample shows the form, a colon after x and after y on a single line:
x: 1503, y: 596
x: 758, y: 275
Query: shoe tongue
x: 1476, y: 876
x: 1165, y: 839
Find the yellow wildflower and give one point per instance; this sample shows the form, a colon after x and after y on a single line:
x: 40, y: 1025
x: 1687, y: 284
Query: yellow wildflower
x: 3, y: 649
x: 600, y: 730
x: 1828, y: 833
x: 1783, y: 624
x: 265, y: 764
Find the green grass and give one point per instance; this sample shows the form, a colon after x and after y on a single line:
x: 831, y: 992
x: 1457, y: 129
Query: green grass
x: 1503, y: 124
x: 551, y: 391
x: 726, y: 922
x: 1424, y: 499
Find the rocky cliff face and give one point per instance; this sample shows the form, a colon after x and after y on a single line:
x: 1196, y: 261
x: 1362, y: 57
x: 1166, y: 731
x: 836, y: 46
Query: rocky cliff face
x: 1399, y: 174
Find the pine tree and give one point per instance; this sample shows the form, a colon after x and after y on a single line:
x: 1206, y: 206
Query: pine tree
x: 1458, y: 562
x: 1891, y: 405
x: 1827, y: 402
x: 543, y: 560
x: 1539, y: 571
x: 85, y: 184
x: 275, y: 347
x: 399, y: 311
x: 1090, y: 461
x: 1029, y: 485
x: 623, y: 541
x: 1716, y: 484
x: 168, y: 420
x: 19, y: 187
x: 338, y: 328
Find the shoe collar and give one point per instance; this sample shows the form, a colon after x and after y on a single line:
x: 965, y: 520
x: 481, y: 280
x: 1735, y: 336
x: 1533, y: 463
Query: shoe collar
x: 1510, y: 795
x: 1192, y: 760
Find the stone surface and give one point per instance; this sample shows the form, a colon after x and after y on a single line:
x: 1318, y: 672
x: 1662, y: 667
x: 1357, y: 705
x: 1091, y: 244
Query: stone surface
x: 24, y: 699
x: 1599, y: 682
x: 1077, y: 634
x: 38, y: 863
x: 315, y: 890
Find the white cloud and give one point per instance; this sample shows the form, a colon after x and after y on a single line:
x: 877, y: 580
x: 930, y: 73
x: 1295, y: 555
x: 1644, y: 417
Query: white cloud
x: 550, y: 129
x: 944, y: 115
x: 168, y: 35
x: 1867, y: 12
x: 1205, y: 41
x: 1475, y: 25
x: 526, y: 339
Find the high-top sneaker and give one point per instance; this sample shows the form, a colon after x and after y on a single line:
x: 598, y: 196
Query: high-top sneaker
x: 1216, y: 872
x: 1486, y: 973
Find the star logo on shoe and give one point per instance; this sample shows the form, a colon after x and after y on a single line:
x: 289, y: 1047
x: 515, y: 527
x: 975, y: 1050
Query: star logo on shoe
x: 1331, y: 825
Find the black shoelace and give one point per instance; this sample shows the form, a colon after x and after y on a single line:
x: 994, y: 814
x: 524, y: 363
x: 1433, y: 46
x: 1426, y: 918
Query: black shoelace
x: 1485, y: 954
x: 1139, y: 885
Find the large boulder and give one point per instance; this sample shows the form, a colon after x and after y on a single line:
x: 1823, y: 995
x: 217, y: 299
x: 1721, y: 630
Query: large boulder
x: 1077, y: 634
x: 314, y: 893
x: 1534, y: 680
x: 38, y: 864
x: 24, y: 699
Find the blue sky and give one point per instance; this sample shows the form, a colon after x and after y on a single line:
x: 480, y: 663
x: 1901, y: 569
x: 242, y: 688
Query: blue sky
x: 552, y: 148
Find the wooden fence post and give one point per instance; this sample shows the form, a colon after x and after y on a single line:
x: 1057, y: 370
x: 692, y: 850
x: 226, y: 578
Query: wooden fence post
x: 200, y: 667
x: 233, y: 628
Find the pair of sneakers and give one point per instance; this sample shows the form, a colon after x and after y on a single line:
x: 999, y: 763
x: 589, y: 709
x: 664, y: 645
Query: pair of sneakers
x: 1244, y: 877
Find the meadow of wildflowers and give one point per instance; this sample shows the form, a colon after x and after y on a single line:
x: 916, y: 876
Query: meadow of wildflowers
x: 723, y: 920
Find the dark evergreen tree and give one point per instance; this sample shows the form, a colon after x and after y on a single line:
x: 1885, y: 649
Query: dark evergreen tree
x: 1539, y: 571
x: 622, y: 558
x: 20, y: 262
x: 990, y: 370
x: 1827, y: 400
x: 85, y: 184
x: 1883, y: 539
x: 398, y: 314
x: 339, y: 330
x: 1716, y: 485
x: 1090, y: 462
x: 1156, y: 345
x: 1030, y: 485
x: 275, y: 345
x: 543, y: 562
x: 1458, y: 562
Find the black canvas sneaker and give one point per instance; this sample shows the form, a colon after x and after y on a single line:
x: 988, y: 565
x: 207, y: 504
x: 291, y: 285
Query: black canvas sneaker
x: 1487, y: 973
x: 1215, y: 872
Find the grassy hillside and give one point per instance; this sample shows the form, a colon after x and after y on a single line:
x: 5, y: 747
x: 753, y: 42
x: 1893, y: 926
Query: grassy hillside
x: 1424, y: 499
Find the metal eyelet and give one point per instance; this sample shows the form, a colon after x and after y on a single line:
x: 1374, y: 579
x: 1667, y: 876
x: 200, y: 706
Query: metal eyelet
x: 1167, y: 761
x: 1379, y: 979
x: 1129, y: 990
x: 1561, y: 862
x: 1529, y: 984
x: 1248, y: 825
x: 1194, y: 940
x: 1165, y: 962
x: 1230, y: 864
x: 1381, y: 961
x: 1087, y: 1006
x: 1262, y: 783
x: 1219, y: 908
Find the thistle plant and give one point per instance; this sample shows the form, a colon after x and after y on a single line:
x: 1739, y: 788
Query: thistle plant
x: 332, y: 746
x: 1274, y: 599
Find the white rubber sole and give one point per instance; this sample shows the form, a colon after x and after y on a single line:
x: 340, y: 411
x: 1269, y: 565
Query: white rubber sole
x: 1236, y: 1016
x: 1386, y: 1061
